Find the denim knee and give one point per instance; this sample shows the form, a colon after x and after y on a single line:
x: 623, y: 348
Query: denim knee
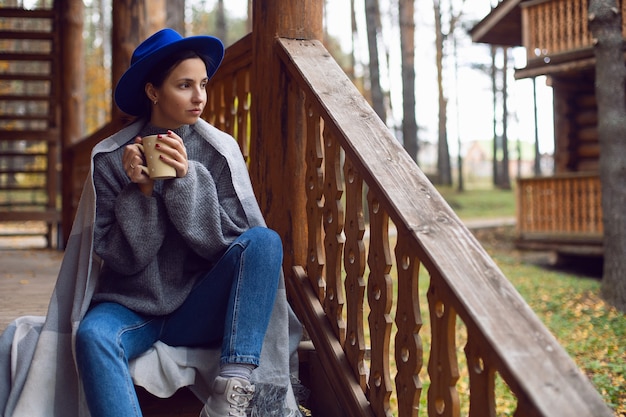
x: 268, y: 239
x: 89, y: 337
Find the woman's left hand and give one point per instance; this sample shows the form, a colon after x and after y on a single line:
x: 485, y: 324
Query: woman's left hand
x: 175, y: 153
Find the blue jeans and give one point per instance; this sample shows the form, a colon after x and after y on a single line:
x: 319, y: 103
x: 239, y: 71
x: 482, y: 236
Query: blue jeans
x: 230, y: 306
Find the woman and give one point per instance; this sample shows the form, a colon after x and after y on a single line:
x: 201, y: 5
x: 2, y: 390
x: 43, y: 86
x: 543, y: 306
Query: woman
x: 186, y: 261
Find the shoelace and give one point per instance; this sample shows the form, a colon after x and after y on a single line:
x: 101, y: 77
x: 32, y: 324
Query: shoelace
x: 240, y: 399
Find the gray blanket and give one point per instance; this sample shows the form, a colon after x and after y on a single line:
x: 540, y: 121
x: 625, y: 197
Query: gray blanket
x: 38, y: 376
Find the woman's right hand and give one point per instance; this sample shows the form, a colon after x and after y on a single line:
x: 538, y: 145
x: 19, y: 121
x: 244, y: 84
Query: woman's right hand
x: 133, y: 161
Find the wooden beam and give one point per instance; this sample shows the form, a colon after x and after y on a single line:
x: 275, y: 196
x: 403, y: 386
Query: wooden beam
x: 72, y: 93
x: 277, y: 168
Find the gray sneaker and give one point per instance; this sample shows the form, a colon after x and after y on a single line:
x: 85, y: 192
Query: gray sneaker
x: 230, y: 398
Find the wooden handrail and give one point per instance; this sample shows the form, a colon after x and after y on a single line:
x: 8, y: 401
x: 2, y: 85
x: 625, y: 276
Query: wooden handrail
x: 350, y: 149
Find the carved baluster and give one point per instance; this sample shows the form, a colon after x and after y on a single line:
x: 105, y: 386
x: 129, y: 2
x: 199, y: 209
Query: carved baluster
x: 209, y: 114
x: 230, y: 110
x: 443, y: 398
x: 595, y: 204
x: 526, y: 409
x: 220, y: 106
x: 354, y: 264
x: 482, y: 380
x: 315, y: 201
x: 585, y: 35
x: 243, y: 111
x: 541, y: 28
x: 569, y: 25
x: 545, y: 29
x: 409, y: 353
x: 571, y: 196
x: 563, y: 40
x: 577, y: 24
x: 334, y: 238
x: 379, y: 295
x: 555, y: 23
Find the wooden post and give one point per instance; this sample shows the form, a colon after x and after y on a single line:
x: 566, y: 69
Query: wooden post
x: 72, y: 95
x: 277, y: 158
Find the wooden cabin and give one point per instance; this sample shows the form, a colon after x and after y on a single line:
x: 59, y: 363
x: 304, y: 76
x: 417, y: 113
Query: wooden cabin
x: 561, y: 212
x: 396, y: 309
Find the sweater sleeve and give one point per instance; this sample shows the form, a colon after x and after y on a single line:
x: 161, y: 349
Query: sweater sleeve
x: 205, y: 209
x: 130, y: 227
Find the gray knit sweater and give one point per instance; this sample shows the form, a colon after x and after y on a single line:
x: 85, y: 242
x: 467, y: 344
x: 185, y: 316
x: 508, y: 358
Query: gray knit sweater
x: 154, y: 248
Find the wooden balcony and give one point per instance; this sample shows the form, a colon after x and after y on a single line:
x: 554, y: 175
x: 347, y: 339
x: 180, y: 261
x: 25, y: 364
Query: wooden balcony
x: 561, y: 213
x: 556, y: 35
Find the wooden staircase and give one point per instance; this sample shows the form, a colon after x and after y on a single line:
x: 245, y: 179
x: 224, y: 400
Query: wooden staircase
x: 29, y: 121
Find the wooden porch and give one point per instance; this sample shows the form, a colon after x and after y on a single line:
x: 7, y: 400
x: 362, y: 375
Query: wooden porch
x: 553, y: 32
x: 321, y: 161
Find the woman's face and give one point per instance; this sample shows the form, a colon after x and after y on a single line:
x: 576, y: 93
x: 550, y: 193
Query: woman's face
x: 182, y: 97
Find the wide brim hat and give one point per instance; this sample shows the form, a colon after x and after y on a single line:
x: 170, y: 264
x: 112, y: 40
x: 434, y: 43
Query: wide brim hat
x: 130, y: 94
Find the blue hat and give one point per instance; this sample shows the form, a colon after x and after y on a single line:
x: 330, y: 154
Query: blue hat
x: 130, y: 94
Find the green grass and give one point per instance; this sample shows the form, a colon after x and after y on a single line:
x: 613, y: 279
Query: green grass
x: 480, y: 203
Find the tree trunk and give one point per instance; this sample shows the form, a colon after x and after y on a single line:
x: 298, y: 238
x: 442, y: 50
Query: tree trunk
x: 537, y: 152
x: 605, y: 25
x: 460, y: 182
x: 175, y: 15
x: 494, y: 92
x: 129, y: 29
x: 406, y: 11
x: 220, y: 20
x: 72, y: 93
x: 443, y: 153
x: 353, y: 39
x: 505, y: 182
x: 372, y: 17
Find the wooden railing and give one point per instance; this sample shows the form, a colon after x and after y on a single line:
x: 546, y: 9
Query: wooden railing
x: 552, y: 27
x: 564, y: 209
x: 356, y: 170
x: 228, y: 103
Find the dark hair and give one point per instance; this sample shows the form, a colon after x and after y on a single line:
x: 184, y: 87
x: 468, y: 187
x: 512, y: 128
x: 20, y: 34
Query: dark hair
x: 165, y: 67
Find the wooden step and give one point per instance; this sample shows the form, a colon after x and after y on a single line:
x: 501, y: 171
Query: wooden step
x: 30, y: 35
x: 49, y: 135
x: 16, y: 12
